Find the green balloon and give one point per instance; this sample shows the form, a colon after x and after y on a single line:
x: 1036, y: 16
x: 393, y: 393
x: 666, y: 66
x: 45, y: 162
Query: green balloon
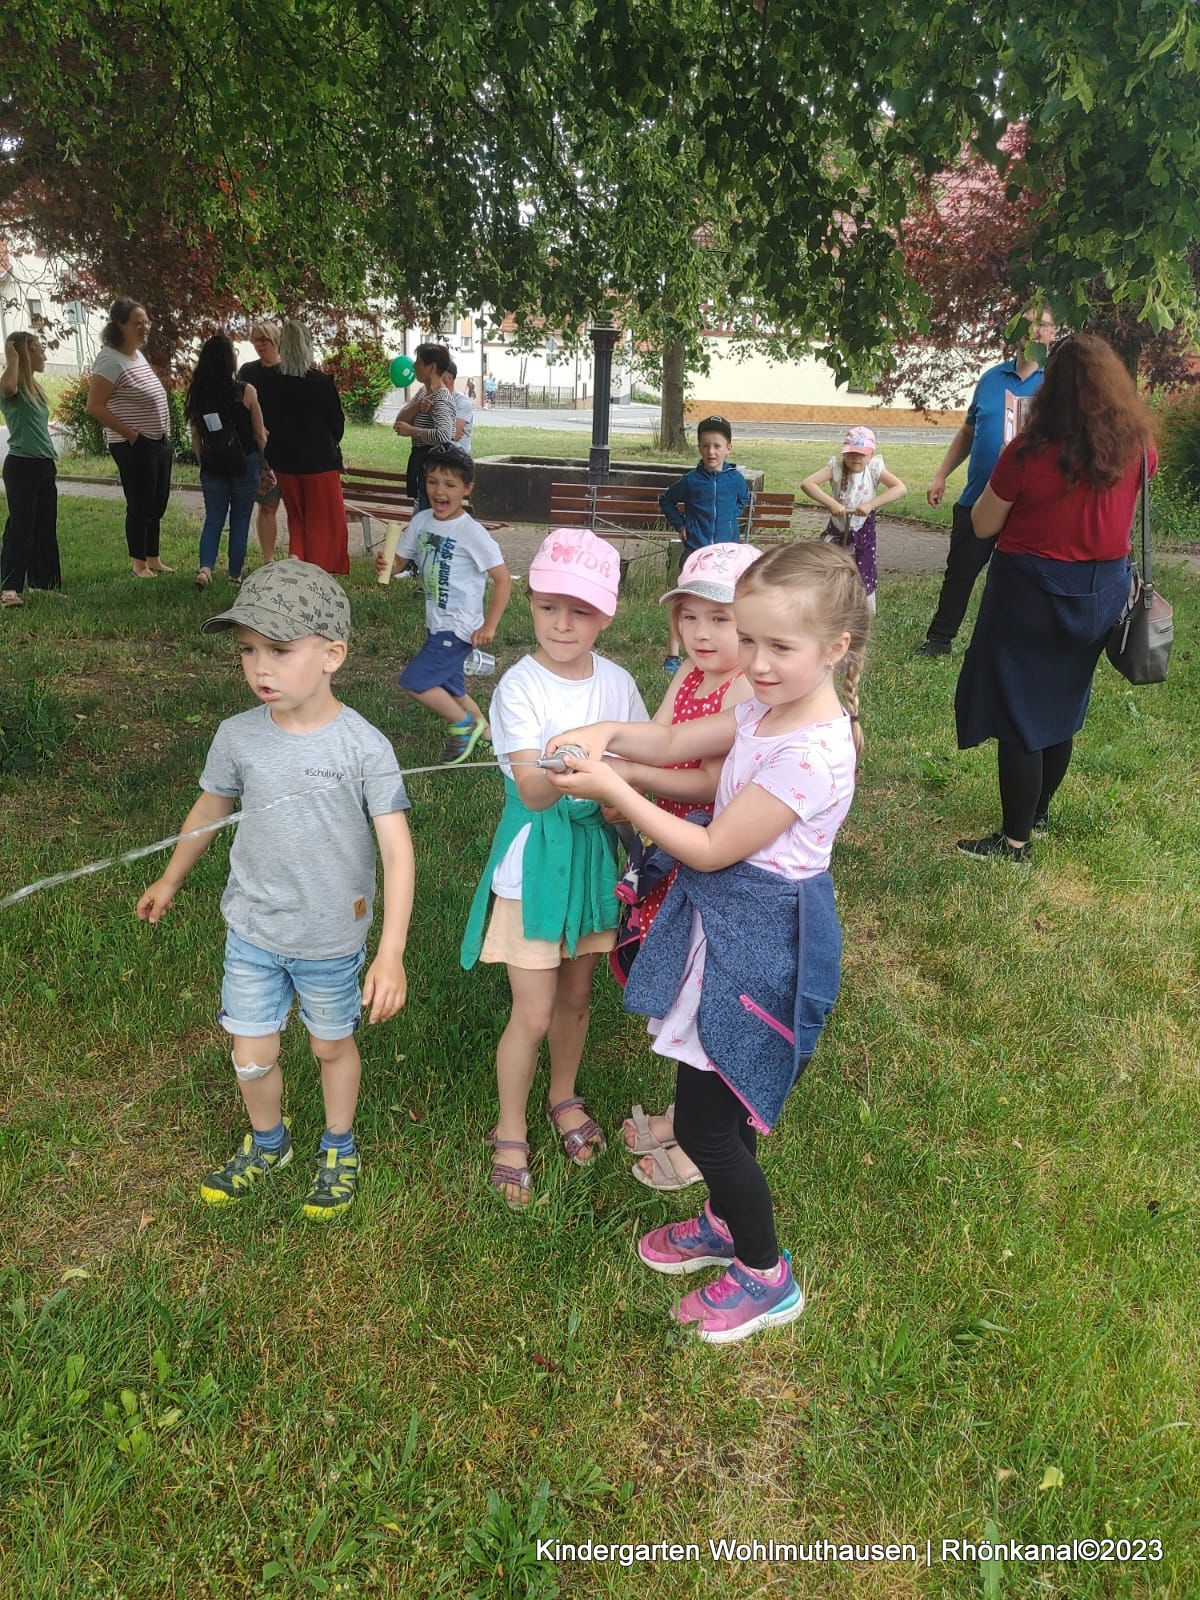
x: 402, y: 371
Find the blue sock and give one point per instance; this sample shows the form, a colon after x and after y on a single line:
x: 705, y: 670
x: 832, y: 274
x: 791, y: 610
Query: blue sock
x: 271, y: 1140
x: 343, y: 1143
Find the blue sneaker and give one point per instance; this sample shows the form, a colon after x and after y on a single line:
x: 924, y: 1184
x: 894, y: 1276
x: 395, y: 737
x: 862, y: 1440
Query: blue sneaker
x: 687, y: 1246
x: 740, y: 1303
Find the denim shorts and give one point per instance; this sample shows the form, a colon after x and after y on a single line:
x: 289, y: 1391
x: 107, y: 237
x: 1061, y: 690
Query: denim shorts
x: 258, y: 988
x: 438, y: 664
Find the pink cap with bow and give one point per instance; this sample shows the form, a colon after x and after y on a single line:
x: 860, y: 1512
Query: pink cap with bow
x: 573, y: 561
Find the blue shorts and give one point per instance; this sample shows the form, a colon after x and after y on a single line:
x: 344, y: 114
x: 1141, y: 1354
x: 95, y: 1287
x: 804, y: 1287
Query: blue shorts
x: 438, y: 664
x: 258, y: 988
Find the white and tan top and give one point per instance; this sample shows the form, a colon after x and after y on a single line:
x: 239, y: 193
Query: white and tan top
x: 138, y: 396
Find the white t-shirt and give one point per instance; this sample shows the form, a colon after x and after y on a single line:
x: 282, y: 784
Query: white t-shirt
x: 138, y: 397
x: 854, y: 488
x: 531, y: 704
x: 454, y: 558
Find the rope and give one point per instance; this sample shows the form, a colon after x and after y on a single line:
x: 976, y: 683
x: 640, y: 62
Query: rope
x: 554, y: 763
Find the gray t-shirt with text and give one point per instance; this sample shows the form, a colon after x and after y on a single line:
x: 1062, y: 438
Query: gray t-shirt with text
x: 302, y: 875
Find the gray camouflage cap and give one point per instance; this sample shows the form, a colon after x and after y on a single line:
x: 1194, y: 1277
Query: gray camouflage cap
x: 288, y: 600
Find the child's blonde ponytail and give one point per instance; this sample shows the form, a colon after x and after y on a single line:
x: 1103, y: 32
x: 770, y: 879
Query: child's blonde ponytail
x: 825, y: 581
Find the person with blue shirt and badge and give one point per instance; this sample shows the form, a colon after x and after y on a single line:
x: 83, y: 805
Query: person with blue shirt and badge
x: 993, y: 418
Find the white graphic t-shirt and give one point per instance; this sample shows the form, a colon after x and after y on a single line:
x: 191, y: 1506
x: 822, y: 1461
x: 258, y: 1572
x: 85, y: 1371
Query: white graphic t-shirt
x: 453, y: 558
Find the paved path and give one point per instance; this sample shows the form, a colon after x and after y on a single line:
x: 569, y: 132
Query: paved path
x: 906, y: 548
x: 643, y: 419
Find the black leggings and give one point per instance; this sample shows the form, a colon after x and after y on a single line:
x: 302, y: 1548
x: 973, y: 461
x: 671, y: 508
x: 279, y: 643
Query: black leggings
x: 712, y: 1126
x: 1028, y: 780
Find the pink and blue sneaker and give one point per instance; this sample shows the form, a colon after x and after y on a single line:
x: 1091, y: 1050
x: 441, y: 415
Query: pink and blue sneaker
x: 740, y: 1303
x: 702, y: 1241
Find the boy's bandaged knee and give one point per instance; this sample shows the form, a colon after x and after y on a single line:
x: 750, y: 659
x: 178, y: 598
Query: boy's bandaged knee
x: 250, y: 1071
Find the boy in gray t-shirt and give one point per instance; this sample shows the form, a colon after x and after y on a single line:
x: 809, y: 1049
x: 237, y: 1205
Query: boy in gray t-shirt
x: 313, y: 779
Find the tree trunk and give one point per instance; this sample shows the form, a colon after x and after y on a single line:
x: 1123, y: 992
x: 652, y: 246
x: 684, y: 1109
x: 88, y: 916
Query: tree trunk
x: 1130, y: 350
x: 672, y: 434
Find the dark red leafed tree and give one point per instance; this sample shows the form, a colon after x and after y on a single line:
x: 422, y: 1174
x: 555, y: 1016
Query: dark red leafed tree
x: 967, y: 247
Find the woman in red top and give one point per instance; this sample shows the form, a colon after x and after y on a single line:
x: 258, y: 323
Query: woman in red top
x: 1061, y: 499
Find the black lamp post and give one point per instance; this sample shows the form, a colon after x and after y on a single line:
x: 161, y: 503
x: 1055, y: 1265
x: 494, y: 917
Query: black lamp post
x: 604, y: 339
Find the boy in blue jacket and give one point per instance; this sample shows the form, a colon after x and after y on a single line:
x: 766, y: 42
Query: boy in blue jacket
x: 714, y: 494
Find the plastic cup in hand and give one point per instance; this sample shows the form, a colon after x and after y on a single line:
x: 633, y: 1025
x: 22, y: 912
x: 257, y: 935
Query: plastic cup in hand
x: 391, y: 540
x: 479, y: 664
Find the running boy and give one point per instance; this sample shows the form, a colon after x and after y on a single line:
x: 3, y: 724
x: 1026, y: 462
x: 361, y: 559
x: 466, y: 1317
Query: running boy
x: 714, y: 495
x: 455, y: 556
x: 301, y: 883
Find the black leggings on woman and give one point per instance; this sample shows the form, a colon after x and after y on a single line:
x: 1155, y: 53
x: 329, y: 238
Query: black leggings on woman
x: 1028, y: 781
x: 712, y: 1127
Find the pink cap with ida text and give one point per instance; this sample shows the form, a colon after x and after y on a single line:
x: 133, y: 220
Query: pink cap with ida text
x: 575, y: 562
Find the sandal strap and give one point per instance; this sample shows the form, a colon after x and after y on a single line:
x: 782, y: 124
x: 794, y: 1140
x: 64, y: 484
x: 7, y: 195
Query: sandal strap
x: 588, y: 1131
x: 502, y: 1175
x: 505, y: 1144
x: 554, y: 1112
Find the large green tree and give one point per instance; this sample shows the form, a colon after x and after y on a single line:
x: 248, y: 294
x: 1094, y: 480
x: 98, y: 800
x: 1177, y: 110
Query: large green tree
x: 566, y: 154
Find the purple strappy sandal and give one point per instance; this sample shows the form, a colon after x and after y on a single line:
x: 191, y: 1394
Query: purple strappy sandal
x: 502, y: 1174
x: 588, y: 1136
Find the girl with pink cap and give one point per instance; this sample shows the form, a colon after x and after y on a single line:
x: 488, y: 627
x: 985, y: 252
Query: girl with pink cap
x: 860, y: 485
x: 710, y: 680
x: 552, y: 870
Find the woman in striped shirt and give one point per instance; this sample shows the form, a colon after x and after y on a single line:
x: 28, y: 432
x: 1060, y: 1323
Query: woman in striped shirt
x: 126, y: 397
x: 429, y: 419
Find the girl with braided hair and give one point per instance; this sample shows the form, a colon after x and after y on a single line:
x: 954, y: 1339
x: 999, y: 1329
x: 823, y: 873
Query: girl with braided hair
x: 742, y: 964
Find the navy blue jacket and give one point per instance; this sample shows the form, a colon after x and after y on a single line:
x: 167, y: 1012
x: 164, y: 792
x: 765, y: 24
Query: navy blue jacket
x: 772, y: 969
x: 712, y: 502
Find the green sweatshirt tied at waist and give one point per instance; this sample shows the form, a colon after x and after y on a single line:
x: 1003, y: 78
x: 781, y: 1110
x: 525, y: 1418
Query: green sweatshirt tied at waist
x: 568, y: 874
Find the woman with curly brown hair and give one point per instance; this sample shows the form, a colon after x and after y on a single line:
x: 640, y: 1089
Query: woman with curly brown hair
x: 1061, y: 499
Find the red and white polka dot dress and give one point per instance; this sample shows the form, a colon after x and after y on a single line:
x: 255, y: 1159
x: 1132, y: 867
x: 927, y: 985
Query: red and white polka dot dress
x: 686, y: 709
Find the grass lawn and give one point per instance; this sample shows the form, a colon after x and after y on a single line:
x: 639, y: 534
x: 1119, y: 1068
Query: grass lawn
x: 785, y: 462
x: 987, y: 1179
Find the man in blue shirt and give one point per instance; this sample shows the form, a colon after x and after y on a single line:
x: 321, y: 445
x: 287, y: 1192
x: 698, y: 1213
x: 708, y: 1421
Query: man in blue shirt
x: 981, y: 438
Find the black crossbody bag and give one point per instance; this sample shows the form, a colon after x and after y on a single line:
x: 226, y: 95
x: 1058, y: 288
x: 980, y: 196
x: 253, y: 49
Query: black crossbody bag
x: 1139, y: 645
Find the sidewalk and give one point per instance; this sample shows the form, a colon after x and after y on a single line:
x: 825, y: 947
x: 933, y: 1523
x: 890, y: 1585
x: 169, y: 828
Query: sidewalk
x: 643, y: 419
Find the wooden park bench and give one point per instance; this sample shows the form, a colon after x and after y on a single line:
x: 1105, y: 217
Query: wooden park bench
x: 615, y: 510
x: 368, y: 493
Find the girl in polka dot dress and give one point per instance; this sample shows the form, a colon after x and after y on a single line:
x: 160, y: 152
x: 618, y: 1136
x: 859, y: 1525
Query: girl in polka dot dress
x: 708, y: 681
